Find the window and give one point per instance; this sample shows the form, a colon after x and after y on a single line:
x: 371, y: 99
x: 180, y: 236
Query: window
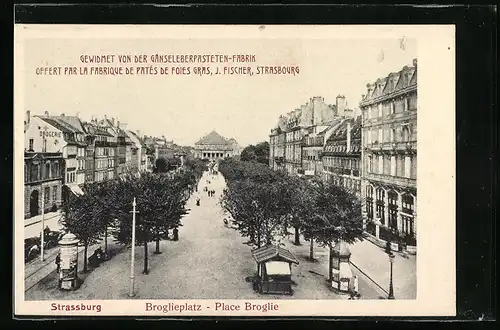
x: 54, y: 194
x: 407, y: 166
x: 368, y: 137
x: 370, y: 112
x: 393, y: 165
x: 380, y: 164
x: 392, y: 134
x: 34, y: 172
x: 369, y: 201
x: 46, y: 195
x: 47, y: 171
x: 393, y: 209
x: 406, y: 133
x: 380, y: 109
x: 380, y: 203
x: 369, y: 166
x: 31, y: 145
x: 393, y: 111
x: 380, y: 135
x: 405, y: 104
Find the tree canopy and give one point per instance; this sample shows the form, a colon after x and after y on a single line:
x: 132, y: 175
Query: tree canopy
x: 258, y: 153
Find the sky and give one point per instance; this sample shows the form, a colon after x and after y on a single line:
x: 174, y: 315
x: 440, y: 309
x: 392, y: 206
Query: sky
x: 185, y: 108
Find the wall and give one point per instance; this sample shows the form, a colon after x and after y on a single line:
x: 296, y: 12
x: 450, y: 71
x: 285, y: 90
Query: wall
x: 54, y: 137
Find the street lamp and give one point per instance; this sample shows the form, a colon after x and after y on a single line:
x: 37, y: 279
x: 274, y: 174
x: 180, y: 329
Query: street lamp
x: 134, y: 212
x: 391, y: 289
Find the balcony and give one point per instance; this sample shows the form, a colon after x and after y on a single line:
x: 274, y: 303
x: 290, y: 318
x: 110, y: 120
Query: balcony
x: 389, y: 179
x: 393, y: 146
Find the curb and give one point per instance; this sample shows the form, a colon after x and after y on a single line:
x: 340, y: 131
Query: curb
x: 46, y: 219
x: 367, y: 276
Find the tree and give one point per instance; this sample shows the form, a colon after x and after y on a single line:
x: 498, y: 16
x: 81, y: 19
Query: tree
x: 337, y: 216
x: 161, y: 165
x: 82, y: 217
x: 256, y: 153
x: 160, y: 203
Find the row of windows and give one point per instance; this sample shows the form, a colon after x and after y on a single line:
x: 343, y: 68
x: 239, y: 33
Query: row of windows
x: 392, y: 208
x: 105, y: 151
x: 394, y: 106
x: 348, y: 183
x: 347, y: 163
x: 103, y: 176
x: 46, y: 171
x: 388, y: 134
x: 105, y: 163
x: 395, y: 165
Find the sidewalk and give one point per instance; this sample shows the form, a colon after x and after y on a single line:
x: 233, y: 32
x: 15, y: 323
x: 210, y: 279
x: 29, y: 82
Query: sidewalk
x: 374, y: 262
x: 33, y: 225
x: 38, y: 218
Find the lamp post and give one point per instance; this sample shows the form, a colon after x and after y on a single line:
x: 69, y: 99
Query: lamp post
x: 391, y: 289
x: 44, y: 149
x: 131, y: 292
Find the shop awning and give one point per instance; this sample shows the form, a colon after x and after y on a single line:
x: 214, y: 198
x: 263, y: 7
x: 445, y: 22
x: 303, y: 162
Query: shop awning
x: 75, y: 189
x: 278, y: 268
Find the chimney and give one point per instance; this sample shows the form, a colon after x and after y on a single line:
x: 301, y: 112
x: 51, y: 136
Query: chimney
x: 415, y: 63
x: 28, y: 117
x: 138, y: 133
x: 117, y: 123
x: 78, y: 115
x: 62, y: 115
x: 46, y: 113
x: 340, y: 102
x: 348, y: 135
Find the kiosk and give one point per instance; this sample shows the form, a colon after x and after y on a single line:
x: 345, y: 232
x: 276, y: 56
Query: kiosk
x: 274, y: 269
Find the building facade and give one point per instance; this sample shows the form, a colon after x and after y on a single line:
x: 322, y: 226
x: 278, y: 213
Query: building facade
x: 289, y: 136
x: 341, y: 155
x: 43, y: 180
x: 389, y: 153
x: 214, y: 146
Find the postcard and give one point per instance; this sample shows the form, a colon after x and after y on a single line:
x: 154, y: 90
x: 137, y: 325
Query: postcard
x: 239, y: 170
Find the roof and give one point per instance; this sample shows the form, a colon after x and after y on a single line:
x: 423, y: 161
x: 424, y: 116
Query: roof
x: 213, y: 138
x: 268, y: 252
x: 392, y: 83
x: 58, y: 125
x: 73, y: 121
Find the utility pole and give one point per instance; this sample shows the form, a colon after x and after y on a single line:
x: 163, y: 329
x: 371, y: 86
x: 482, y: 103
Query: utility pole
x: 42, y: 257
x: 132, y: 293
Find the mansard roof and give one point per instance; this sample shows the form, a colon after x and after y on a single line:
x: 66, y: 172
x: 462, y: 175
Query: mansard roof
x: 392, y: 83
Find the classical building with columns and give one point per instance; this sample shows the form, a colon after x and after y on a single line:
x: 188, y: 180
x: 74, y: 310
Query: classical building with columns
x: 389, y: 155
x: 214, y: 146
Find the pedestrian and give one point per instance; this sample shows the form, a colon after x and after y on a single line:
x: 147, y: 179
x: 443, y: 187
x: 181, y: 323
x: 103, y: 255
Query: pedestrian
x: 198, y: 201
x: 58, y: 261
x: 176, y: 234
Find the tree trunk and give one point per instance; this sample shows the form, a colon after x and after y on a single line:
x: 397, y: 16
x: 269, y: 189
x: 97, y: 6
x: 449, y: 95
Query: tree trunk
x: 297, y: 236
x: 85, y: 257
x: 145, y: 271
x: 311, y: 249
x: 157, y: 246
x: 330, y: 262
